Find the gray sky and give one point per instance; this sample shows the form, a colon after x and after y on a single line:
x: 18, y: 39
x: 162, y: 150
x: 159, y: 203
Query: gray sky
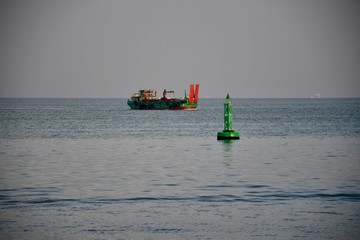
x: 112, y: 48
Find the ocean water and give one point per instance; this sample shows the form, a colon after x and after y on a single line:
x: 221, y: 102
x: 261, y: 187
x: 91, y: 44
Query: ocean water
x: 94, y: 169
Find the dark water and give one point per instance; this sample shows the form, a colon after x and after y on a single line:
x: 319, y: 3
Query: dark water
x: 93, y: 169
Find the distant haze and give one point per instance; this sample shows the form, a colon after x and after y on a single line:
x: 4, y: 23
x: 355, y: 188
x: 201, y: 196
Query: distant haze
x: 249, y: 48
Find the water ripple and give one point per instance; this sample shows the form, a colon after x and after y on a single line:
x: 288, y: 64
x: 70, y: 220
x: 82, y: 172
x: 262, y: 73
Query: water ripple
x: 221, y: 198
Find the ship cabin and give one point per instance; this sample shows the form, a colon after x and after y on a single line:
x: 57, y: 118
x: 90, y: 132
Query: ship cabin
x: 145, y: 94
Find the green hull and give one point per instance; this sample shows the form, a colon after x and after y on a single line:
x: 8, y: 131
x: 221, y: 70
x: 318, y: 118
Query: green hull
x: 161, y: 104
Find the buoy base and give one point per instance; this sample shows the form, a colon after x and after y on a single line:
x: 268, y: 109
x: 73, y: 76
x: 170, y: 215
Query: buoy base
x: 228, y: 134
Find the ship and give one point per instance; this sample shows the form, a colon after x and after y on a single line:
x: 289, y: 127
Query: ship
x: 147, y: 99
x: 317, y: 95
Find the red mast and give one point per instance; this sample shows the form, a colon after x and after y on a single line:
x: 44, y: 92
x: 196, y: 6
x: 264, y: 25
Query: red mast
x: 191, y: 94
x: 196, y: 93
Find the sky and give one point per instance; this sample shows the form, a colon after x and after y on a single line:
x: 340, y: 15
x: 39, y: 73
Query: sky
x: 113, y: 48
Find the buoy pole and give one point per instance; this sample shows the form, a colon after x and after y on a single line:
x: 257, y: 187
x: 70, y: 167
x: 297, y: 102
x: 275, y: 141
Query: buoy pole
x: 227, y: 114
x: 228, y: 133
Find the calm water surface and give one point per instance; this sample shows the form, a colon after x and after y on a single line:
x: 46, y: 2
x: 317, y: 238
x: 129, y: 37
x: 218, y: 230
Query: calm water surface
x: 93, y: 169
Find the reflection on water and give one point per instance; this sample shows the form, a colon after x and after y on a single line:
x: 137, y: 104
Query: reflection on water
x: 228, y: 151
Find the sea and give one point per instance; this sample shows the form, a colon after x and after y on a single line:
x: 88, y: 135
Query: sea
x: 94, y: 169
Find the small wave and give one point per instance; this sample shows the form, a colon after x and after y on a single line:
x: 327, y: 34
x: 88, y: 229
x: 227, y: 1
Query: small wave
x: 257, y: 186
x: 352, y: 197
x: 221, y: 186
x: 344, y: 196
x: 10, y: 201
x: 50, y: 201
x: 136, y: 228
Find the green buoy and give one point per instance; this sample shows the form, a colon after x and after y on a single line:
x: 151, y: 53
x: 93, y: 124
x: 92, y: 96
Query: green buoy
x: 228, y: 133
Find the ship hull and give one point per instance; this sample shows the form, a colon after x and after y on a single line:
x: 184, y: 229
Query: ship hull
x: 161, y: 104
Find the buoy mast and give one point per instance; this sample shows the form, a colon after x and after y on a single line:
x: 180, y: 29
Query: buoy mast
x: 228, y: 133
